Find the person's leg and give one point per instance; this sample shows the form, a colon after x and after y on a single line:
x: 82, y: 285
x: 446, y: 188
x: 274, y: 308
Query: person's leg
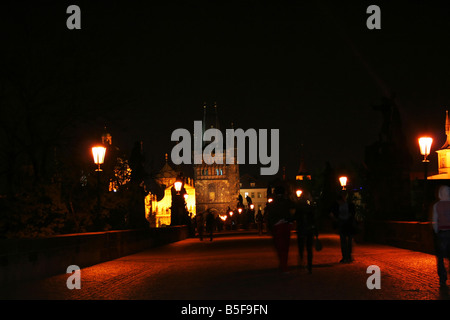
x: 349, y: 247
x: 440, y: 255
x: 343, y: 246
x: 282, y: 236
x: 300, y: 246
x: 309, y: 250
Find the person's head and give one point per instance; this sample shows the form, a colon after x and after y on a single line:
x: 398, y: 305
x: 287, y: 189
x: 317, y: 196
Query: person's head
x: 444, y: 193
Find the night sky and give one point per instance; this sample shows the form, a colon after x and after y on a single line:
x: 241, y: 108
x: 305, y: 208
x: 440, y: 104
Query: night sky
x: 312, y: 70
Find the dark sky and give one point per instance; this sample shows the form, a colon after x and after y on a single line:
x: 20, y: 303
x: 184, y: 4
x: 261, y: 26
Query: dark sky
x: 312, y: 70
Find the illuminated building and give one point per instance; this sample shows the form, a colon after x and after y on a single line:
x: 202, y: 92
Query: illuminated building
x: 255, y: 189
x: 444, y: 155
x: 160, y: 209
x: 216, y: 185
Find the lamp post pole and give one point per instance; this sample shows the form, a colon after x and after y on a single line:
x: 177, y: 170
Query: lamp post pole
x: 425, y: 148
x: 343, y: 181
x: 178, y: 202
x: 98, y: 153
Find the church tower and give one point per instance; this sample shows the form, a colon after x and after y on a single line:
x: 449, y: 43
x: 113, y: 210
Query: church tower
x: 216, y: 185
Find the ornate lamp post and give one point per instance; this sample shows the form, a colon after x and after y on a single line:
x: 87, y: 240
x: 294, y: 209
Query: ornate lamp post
x: 99, y: 156
x: 425, y: 148
x: 343, y: 181
x: 98, y: 152
x: 178, y: 184
x: 178, y: 202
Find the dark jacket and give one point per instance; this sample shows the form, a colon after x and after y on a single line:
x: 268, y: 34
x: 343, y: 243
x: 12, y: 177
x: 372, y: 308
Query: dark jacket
x: 344, y: 216
x: 304, y: 216
x: 280, y: 208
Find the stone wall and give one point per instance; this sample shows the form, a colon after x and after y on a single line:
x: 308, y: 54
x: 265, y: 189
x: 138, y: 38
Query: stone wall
x: 28, y: 259
x: 412, y: 235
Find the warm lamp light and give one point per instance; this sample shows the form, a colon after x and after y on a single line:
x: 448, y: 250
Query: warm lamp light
x: 239, y: 210
x: 343, y: 182
x: 425, y: 147
x: 99, y: 156
x: 252, y: 206
x: 177, y: 185
x: 299, y: 193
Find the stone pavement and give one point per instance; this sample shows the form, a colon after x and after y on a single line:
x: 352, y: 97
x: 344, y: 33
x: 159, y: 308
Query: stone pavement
x: 240, y: 270
x: 244, y: 267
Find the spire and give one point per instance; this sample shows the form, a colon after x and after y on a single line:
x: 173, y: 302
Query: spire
x: 447, y: 131
x: 106, y: 137
x: 447, y: 125
x: 302, y: 173
x: 217, y: 117
x: 204, y: 117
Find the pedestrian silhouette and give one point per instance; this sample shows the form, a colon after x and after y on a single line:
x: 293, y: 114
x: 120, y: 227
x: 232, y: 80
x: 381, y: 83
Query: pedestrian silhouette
x: 441, y: 227
x: 259, y: 221
x: 280, y: 217
x: 200, y: 225
x: 343, y: 214
x: 306, y: 228
x: 210, y: 223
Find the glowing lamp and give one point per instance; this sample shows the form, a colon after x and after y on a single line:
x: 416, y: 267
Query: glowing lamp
x: 343, y: 182
x: 299, y: 193
x: 223, y: 218
x: 177, y: 185
x: 269, y: 200
x: 239, y: 210
x: 425, y: 147
x: 99, y: 156
x: 252, y: 206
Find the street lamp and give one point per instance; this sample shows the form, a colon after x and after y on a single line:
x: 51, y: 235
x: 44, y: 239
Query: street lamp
x: 298, y: 193
x: 178, y: 208
x: 425, y: 148
x: 98, y: 152
x: 177, y: 185
x: 343, y: 182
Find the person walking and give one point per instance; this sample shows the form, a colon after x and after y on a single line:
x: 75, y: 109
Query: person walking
x: 280, y: 215
x: 210, y: 224
x: 343, y: 213
x: 259, y: 221
x: 306, y: 229
x: 200, y: 225
x: 441, y: 227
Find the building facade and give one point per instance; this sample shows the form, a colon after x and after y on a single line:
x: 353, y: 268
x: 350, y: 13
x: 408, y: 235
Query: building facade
x: 216, y: 185
x: 444, y: 155
x: 159, y: 210
x: 256, y: 190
